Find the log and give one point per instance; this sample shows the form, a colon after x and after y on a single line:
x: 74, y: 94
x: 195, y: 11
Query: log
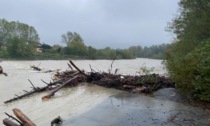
x: 58, y: 88
x: 128, y: 86
x: 77, y: 68
x: 8, y: 122
x: 1, y: 70
x: 36, y: 68
x: 23, y: 118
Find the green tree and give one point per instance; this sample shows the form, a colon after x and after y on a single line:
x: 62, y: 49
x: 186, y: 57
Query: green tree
x: 193, y: 22
x: 192, y: 27
x: 77, y: 48
x: 19, y: 48
x: 133, y: 50
x: 23, y: 34
x: 70, y: 37
x: 192, y: 71
x: 75, y: 44
x: 57, y: 48
x: 4, y: 31
x: 92, y: 52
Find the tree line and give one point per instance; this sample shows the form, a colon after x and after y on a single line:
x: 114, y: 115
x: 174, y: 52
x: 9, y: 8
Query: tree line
x: 188, y: 57
x: 21, y: 41
x: 17, y: 39
x: 76, y: 48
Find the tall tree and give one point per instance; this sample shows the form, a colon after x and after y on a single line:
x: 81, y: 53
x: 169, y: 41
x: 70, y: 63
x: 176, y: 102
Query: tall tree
x: 70, y: 37
x: 4, y: 31
x: 11, y: 32
x: 19, y: 48
x: 187, y: 53
x: 193, y: 22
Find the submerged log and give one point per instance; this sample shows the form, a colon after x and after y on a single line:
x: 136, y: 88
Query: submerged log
x: 8, y: 122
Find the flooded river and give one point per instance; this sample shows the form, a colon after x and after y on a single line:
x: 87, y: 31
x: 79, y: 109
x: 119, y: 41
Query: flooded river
x: 90, y: 104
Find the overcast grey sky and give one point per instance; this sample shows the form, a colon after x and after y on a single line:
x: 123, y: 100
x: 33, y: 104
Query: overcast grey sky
x: 101, y: 23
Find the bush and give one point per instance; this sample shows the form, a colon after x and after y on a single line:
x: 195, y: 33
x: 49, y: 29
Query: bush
x: 191, y: 72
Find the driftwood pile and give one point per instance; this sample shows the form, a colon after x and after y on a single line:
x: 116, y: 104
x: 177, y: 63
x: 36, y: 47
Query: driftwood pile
x: 134, y: 84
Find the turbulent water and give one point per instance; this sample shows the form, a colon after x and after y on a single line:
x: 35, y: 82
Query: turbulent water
x: 67, y: 102
x: 91, y: 104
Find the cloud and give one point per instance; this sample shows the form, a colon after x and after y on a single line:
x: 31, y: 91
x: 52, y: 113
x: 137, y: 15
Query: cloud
x: 101, y: 23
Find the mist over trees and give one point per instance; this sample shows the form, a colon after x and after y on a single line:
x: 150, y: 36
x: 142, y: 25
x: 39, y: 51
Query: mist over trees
x: 188, y: 59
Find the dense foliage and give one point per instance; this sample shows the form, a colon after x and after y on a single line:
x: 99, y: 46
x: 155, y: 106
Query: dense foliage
x: 187, y: 58
x: 17, y: 39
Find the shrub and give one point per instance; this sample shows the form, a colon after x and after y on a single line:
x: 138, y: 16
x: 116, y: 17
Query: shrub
x: 191, y: 72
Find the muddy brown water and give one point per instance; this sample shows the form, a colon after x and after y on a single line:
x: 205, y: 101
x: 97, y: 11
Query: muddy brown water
x: 90, y: 104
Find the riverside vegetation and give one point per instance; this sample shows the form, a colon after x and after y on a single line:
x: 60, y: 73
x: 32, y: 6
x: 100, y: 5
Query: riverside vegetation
x: 188, y: 58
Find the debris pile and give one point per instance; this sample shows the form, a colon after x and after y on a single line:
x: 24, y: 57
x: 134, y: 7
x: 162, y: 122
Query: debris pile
x: 135, y: 84
x: 69, y: 78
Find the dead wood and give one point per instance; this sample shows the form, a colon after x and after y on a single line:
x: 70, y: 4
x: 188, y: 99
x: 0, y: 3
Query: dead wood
x: 58, y: 88
x: 77, y: 68
x: 36, y: 68
x: 8, y: 122
x: 35, y: 90
x: 70, y: 66
x: 23, y: 118
x: 2, y: 72
x: 135, y: 84
x: 14, y: 118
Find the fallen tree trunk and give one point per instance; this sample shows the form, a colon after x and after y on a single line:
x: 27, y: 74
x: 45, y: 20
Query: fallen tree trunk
x: 35, y: 90
x: 58, y: 88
